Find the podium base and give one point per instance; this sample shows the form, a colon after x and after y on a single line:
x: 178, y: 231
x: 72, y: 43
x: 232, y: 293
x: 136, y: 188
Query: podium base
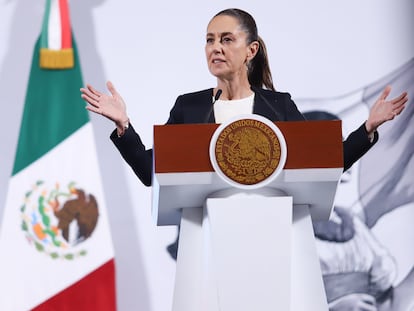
x: 248, y: 252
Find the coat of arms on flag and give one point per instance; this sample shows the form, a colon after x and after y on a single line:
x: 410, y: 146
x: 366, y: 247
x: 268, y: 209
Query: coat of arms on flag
x: 56, y: 219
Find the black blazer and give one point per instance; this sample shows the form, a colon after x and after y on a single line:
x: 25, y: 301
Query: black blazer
x: 197, y: 107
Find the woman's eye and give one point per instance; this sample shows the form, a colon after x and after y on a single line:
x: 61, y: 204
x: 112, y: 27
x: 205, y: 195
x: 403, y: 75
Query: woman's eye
x: 209, y: 40
x: 226, y: 39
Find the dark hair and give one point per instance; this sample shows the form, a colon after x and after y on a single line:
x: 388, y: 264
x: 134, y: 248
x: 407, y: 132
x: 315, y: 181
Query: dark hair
x: 259, y: 74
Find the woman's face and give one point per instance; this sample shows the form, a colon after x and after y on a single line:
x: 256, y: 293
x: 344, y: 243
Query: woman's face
x: 226, y: 48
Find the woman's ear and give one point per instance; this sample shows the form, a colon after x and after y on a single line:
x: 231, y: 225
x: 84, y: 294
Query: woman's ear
x: 253, y: 48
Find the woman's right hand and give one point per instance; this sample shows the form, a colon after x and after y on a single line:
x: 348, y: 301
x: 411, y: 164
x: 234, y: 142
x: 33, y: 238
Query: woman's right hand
x: 110, y: 106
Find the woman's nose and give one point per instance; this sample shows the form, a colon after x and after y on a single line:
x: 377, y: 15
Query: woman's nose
x: 217, y: 47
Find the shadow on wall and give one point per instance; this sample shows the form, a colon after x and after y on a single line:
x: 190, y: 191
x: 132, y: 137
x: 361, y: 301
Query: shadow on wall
x: 132, y: 285
x: 14, y: 75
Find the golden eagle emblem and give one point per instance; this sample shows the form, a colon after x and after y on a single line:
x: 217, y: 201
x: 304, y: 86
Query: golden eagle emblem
x: 247, y: 151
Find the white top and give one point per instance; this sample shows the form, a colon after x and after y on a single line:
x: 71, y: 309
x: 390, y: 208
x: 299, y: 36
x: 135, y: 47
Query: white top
x: 226, y: 109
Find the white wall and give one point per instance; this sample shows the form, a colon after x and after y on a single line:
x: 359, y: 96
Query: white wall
x: 153, y: 51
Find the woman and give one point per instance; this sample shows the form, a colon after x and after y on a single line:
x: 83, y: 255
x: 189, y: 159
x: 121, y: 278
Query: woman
x: 237, y: 57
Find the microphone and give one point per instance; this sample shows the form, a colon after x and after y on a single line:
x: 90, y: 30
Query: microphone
x: 216, y: 97
x: 218, y: 94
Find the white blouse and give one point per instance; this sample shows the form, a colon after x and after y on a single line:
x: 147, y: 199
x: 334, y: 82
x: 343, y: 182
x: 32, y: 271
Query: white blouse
x: 226, y: 109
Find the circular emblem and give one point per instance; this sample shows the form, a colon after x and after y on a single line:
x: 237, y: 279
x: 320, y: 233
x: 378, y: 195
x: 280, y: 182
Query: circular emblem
x: 248, y: 151
x: 56, y: 220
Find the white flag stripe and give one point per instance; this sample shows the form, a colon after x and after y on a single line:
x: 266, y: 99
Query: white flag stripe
x: 54, y: 27
x: 75, y: 159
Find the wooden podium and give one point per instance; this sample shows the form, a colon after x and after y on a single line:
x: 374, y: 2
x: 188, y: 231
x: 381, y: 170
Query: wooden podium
x: 246, y: 249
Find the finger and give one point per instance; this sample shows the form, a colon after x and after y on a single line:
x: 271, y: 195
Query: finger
x: 399, y: 106
x: 85, y: 92
x: 402, y: 97
x: 399, y: 110
x: 85, y: 97
x: 401, y: 100
x: 93, y: 90
x: 90, y: 100
x: 111, y: 88
x: 386, y: 92
x: 93, y: 109
x: 88, y: 92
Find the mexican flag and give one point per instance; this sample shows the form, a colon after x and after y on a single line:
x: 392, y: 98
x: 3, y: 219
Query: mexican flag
x: 55, y: 243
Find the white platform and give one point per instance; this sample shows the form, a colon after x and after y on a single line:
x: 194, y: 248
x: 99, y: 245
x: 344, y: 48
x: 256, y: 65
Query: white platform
x: 248, y: 252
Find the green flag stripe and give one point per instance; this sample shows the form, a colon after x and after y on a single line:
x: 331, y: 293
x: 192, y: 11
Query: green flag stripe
x: 53, y: 110
x: 45, y: 33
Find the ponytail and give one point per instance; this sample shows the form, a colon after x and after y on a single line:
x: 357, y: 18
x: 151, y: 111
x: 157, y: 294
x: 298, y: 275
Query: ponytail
x: 259, y: 70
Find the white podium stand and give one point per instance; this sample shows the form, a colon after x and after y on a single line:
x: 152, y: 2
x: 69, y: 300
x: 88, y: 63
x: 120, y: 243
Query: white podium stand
x: 246, y: 249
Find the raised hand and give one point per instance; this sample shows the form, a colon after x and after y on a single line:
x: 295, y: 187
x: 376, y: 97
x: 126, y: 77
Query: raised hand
x: 110, y: 106
x: 384, y: 110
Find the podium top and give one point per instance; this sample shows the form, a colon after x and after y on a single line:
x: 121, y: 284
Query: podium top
x: 185, y: 147
x: 184, y: 176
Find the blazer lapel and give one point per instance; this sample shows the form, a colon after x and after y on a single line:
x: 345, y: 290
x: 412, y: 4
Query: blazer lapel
x: 265, y: 106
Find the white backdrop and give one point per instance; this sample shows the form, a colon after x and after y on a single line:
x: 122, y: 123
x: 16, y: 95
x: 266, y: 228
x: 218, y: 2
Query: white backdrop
x: 153, y: 51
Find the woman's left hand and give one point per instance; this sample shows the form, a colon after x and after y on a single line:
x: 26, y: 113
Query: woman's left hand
x: 384, y: 110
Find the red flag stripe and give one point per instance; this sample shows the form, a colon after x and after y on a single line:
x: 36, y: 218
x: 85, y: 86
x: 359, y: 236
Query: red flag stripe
x: 96, y: 291
x: 65, y: 24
